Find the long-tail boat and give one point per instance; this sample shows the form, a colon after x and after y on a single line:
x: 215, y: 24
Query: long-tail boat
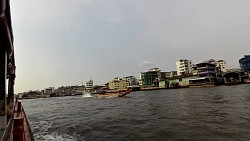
x: 14, y: 125
x: 113, y: 95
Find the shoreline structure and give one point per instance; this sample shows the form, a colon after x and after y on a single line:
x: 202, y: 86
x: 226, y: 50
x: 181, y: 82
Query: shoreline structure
x: 209, y: 73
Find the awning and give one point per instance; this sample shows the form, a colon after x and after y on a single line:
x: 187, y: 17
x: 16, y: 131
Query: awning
x: 199, y: 78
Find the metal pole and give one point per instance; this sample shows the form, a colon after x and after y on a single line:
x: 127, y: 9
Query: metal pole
x: 3, y: 69
x: 10, y: 98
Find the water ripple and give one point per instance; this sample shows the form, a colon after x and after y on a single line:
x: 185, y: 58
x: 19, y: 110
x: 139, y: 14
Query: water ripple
x: 218, y: 113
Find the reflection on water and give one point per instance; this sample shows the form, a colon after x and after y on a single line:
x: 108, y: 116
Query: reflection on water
x: 195, y: 114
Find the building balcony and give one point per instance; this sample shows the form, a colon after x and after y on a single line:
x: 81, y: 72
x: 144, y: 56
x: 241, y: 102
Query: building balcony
x: 206, y: 67
x: 206, y: 72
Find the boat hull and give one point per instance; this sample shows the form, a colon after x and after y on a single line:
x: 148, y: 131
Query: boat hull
x: 113, y: 95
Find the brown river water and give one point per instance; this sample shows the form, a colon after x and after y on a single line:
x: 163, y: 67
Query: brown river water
x: 190, y: 114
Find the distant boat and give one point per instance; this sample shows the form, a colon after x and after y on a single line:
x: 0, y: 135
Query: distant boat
x: 113, y: 95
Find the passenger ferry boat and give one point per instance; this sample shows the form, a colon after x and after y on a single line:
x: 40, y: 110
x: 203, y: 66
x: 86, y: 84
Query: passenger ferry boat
x: 14, y: 125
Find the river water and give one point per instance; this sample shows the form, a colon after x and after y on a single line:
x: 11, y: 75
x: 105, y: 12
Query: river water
x: 191, y: 114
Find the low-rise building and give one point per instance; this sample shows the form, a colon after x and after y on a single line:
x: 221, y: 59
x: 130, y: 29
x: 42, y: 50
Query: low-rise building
x: 171, y: 74
x: 118, y: 84
x: 181, y: 81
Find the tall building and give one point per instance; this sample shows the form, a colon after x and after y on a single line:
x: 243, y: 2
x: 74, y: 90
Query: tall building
x: 245, y: 63
x: 151, y: 77
x: 89, y: 85
x: 183, y: 66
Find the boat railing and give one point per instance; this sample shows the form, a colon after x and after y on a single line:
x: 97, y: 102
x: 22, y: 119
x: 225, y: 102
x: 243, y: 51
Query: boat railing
x: 13, y: 121
x: 7, y: 69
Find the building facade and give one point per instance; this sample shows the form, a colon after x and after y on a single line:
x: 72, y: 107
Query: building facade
x: 131, y: 80
x: 89, y: 85
x: 245, y: 63
x: 118, y: 84
x: 221, y: 65
x: 49, y: 90
x: 206, y: 69
x: 183, y: 66
x: 151, y: 77
x: 171, y: 74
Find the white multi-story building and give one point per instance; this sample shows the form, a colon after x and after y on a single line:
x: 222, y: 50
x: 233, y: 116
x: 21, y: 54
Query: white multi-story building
x: 222, y: 65
x: 89, y: 85
x: 49, y: 90
x: 183, y: 66
x: 132, y: 81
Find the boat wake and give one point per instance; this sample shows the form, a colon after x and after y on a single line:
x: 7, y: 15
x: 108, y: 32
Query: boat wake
x: 41, y: 132
x: 87, y: 95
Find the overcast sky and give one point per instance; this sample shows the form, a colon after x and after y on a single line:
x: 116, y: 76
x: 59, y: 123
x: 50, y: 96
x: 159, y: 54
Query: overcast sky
x: 68, y: 42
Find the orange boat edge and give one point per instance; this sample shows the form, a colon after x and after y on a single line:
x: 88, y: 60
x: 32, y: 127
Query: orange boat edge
x: 21, y: 130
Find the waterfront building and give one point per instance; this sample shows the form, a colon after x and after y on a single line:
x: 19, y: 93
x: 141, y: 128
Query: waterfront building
x: 245, y: 63
x: 49, y: 90
x: 206, y: 72
x: 206, y: 69
x: 151, y: 77
x: 89, y: 85
x: 62, y: 89
x: 114, y: 84
x: 181, y: 81
x: 163, y: 76
x: 183, y: 66
x: 171, y: 74
x: 167, y: 75
x: 140, y: 82
x: 232, y: 78
x: 118, y: 84
x: 164, y: 84
x: 78, y: 89
x: 131, y: 80
x: 221, y: 66
x: 194, y: 70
